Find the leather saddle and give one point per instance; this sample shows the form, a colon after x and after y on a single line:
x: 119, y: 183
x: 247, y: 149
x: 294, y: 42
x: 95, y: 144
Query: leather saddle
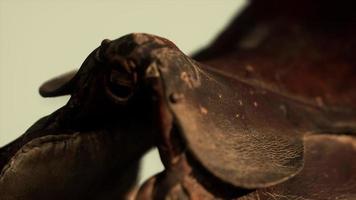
x: 267, y: 111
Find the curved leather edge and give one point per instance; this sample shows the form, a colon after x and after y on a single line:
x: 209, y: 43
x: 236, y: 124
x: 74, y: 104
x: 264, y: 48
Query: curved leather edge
x: 78, y: 166
x: 329, y: 172
x: 252, y: 145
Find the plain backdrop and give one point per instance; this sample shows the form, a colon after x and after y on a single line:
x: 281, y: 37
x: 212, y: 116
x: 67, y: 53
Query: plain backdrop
x: 40, y: 39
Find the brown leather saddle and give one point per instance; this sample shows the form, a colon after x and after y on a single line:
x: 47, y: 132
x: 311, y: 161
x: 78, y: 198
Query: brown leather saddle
x: 267, y: 111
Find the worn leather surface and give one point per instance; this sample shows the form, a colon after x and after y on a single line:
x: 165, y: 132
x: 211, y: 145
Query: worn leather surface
x: 230, y: 127
x: 305, y: 58
x: 301, y: 48
x: 328, y: 174
x: 96, y: 164
x: 77, y: 166
x: 88, y: 149
x: 245, y: 121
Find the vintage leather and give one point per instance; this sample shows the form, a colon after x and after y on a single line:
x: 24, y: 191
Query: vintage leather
x: 263, y: 113
x: 88, y: 149
x: 328, y: 173
x: 301, y: 50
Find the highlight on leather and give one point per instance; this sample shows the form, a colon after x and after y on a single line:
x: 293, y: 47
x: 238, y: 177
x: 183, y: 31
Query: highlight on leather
x: 58, y: 86
x: 265, y: 112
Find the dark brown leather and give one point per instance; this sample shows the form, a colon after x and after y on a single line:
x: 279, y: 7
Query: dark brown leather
x: 304, y: 58
x: 88, y: 149
x: 328, y: 173
x: 76, y: 166
x: 303, y: 49
x: 245, y: 121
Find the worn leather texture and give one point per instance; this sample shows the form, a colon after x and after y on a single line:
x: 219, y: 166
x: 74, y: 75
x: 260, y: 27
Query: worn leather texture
x: 267, y: 111
x: 77, y: 166
x: 328, y: 174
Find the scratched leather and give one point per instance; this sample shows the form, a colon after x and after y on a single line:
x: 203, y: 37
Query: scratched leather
x: 235, y: 118
x: 328, y: 172
x: 233, y: 128
x: 240, y: 134
x: 326, y: 176
x: 237, y: 139
x: 91, y: 111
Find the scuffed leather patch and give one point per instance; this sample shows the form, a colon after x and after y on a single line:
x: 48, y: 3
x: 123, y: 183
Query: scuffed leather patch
x: 238, y: 132
x: 328, y: 174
